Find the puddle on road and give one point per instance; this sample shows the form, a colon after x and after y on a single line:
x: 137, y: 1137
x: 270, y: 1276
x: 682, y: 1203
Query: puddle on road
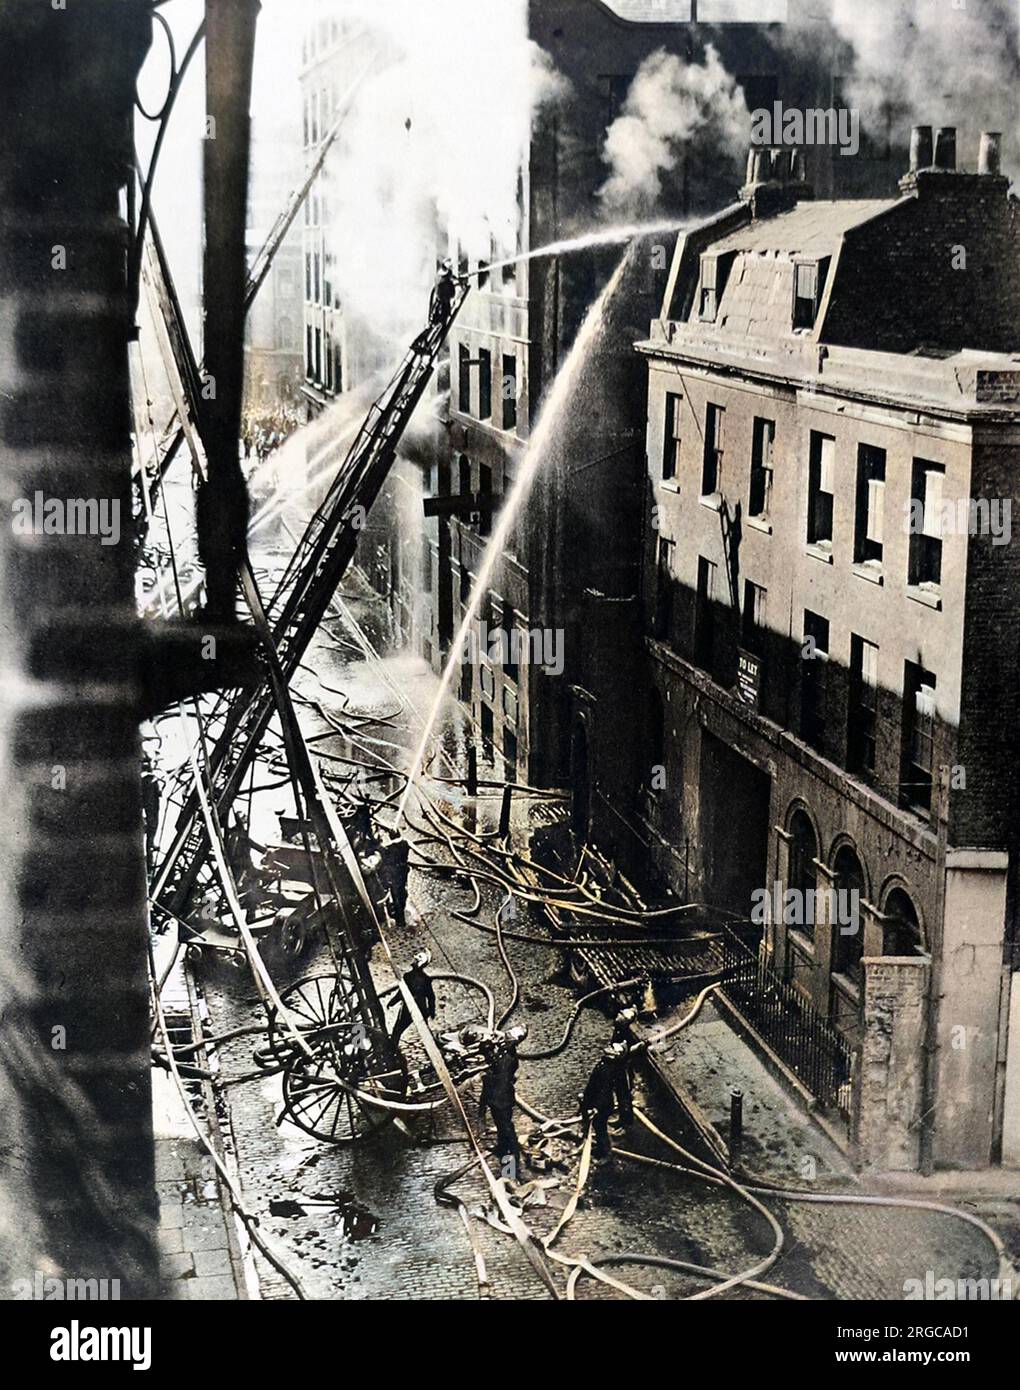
x: 338, y: 1212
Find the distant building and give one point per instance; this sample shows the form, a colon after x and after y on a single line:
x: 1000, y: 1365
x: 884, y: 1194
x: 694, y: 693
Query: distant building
x: 831, y: 618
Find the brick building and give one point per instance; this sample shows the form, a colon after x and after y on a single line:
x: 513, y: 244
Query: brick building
x: 572, y: 569
x: 830, y: 623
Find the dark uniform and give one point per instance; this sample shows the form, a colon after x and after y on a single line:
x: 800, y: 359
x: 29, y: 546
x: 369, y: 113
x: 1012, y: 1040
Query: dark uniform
x: 150, y: 809
x: 395, y: 870
x: 499, y: 1098
x: 423, y: 995
x: 609, y: 1087
x: 443, y: 296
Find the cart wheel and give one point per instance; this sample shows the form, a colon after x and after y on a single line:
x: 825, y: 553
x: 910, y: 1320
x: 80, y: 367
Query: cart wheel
x: 314, y: 1003
x: 293, y: 938
x: 329, y: 1095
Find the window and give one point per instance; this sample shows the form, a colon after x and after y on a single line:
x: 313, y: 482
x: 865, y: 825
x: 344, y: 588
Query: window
x: 808, y: 279
x: 338, y: 370
x: 868, y: 521
x: 820, y: 487
x: 712, y: 466
x: 482, y: 281
x: 485, y: 490
x: 613, y: 90
x: 285, y: 332
x: 317, y: 282
x: 485, y: 385
x: 762, y: 441
x: 318, y: 354
x: 671, y: 439
x: 465, y: 586
x: 329, y: 363
x: 709, y: 302
x: 514, y: 641
x: 464, y: 380
x: 664, y: 589
x: 704, y: 617
x: 901, y: 934
x: 509, y: 391
x: 848, y: 933
x: 486, y: 722
x: 803, y: 876
x: 814, y: 655
x: 464, y: 476
x: 752, y: 618
x: 308, y: 275
x: 309, y: 350
x: 862, y: 712
x: 918, y: 737
x: 925, y: 565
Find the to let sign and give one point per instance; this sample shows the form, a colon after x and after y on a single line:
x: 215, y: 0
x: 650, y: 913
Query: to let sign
x: 748, y: 677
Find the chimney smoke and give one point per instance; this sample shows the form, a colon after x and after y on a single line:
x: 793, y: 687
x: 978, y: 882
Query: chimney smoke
x: 945, y: 147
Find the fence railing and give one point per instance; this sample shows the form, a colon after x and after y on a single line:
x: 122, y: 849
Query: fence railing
x: 805, y: 1041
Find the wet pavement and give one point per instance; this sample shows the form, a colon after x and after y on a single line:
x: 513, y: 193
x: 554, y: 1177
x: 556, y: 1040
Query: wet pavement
x: 363, y: 1221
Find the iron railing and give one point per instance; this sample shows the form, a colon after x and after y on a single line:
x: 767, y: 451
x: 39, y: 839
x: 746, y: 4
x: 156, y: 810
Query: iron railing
x: 803, y: 1040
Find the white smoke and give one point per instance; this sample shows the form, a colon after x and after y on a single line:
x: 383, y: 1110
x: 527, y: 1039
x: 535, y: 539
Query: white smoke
x: 435, y: 141
x: 672, y: 107
x: 923, y: 62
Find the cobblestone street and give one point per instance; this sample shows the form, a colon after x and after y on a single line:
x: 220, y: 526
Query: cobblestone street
x: 364, y: 1221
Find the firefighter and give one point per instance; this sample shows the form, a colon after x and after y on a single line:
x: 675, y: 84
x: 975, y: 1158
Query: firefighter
x: 599, y: 1097
x: 444, y: 293
x: 622, y: 1024
x: 499, y: 1095
x: 422, y: 992
x: 395, y: 870
x: 150, y: 807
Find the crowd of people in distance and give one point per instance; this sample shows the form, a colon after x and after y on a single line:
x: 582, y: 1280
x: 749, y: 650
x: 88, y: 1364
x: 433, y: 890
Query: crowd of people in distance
x: 261, y: 434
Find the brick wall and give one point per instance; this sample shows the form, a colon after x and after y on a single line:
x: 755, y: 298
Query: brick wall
x: 76, y: 1108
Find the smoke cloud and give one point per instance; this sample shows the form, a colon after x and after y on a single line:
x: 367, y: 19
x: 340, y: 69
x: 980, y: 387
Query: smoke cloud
x: 672, y: 107
x: 435, y: 140
x: 923, y: 62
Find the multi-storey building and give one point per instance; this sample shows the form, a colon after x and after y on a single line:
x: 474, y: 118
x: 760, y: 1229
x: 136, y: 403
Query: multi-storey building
x: 569, y: 569
x: 831, y: 627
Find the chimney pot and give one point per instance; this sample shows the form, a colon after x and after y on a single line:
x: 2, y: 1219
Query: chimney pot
x: 749, y: 176
x: 945, y: 147
x: 921, y: 149
x: 760, y: 166
x: 990, y: 152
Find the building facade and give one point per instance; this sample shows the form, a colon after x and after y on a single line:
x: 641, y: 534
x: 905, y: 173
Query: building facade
x: 571, y: 570
x: 830, y: 622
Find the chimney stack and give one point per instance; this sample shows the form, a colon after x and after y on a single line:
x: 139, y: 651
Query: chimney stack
x: 945, y: 148
x: 921, y: 149
x: 990, y: 152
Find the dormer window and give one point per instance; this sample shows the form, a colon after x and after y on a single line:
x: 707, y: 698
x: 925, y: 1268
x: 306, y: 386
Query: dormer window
x: 808, y: 283
x: 709, y: 302
x: 715, y: 269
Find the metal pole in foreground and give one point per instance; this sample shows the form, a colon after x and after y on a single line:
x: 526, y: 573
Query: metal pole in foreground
x: 472, y: 770
x: 504, y: 810
x: 736, y: 1125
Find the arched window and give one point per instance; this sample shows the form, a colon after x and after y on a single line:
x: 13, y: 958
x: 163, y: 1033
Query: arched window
x: 803, y: 875
x: 284, y: 331
x: 902, y: 931
x: 848, y: 929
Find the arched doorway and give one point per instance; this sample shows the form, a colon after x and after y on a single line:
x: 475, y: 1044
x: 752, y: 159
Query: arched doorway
x: 580, y: 810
